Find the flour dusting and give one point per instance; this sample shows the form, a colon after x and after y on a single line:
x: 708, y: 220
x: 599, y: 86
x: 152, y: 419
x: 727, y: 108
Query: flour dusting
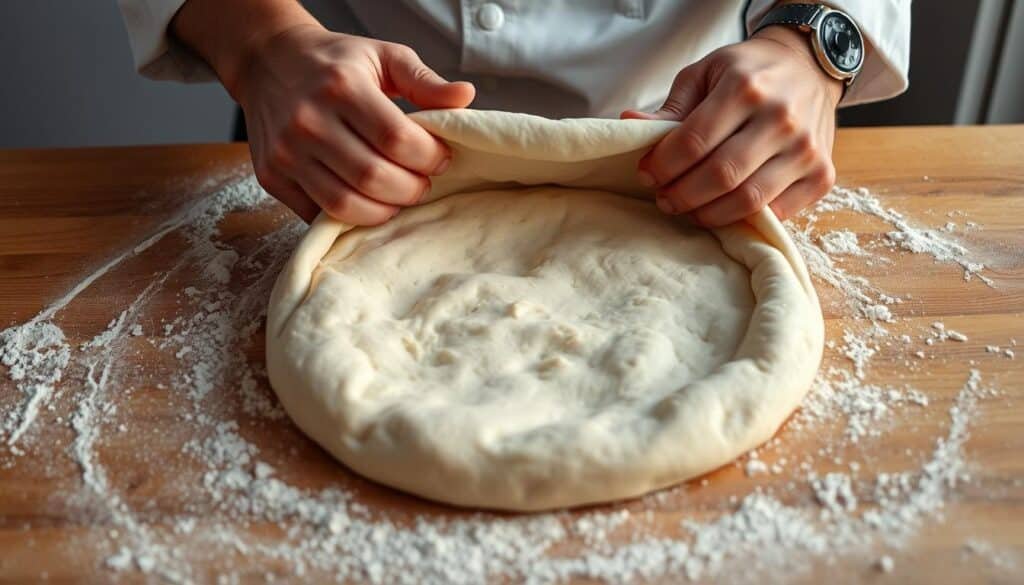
x: 905, y: 235
x: 248, y: 515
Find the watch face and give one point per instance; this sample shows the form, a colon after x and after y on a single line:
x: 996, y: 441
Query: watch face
x: 841, y: 42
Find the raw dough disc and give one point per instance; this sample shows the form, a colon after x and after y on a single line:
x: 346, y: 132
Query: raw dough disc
x: 526, y: 347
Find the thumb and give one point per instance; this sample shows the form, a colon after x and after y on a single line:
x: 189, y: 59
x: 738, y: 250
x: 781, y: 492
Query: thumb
x: 410, y: 78
x: 687, y: 91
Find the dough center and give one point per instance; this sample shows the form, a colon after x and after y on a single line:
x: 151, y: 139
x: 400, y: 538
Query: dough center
x: 530, y: 309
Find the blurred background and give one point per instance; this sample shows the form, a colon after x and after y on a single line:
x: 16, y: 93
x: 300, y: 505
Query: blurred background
x: 68, y: 78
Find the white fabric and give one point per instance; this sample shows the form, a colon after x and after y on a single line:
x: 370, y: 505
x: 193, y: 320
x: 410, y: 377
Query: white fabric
x: 539, y: 335
x: 556, y: 59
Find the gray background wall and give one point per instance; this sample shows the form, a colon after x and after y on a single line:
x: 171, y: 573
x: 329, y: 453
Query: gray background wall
x: 66, y: 77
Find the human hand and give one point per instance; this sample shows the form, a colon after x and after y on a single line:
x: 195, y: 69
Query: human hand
x: 323, y: 131
x: 758, y: 124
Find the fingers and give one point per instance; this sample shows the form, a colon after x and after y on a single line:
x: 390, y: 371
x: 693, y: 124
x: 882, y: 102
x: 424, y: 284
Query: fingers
x: 289, y: 193
x: 406, y: 75
x: 797, y: 174
x: 324, y: 131
x: 803, y: 193
x: 302, y: 166
x: 363, y: 169
x: 730, y: 164
x: 713, y: 120
x: 283, y: 189
x: 750, y: 197
x: 338, y: 199
x: 384, y: 126
x: 363, y: 104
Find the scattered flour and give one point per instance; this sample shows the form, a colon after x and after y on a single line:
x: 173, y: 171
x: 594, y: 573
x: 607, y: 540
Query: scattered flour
x: 905, y: 235
x: 879, y: 313
x: 841, y: 242
x: 940, y: 333
x: 858, y: 350
x: 329, y: 531
x: 755, y: 466
x: 35, y: 355
x: 864, y: 407
x: 1005, y: 351
x: 857, y: 291
x: 1003, y: 559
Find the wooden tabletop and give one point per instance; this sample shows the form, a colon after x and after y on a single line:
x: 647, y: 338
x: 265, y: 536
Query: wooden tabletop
x: 64, y: 213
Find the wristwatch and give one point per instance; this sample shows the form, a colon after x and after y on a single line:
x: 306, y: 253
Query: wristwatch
x: 835, y: 38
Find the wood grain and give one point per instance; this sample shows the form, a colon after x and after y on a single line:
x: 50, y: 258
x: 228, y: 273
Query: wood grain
x: 64, y: 212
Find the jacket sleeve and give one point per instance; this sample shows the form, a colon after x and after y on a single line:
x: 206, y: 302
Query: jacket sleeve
x: 157, y: 54
x: 886, y: 26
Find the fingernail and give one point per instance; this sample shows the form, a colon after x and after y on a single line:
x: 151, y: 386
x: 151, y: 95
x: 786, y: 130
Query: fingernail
x: 441, y: 168
x: 646, y: 179
x: 665, y: 205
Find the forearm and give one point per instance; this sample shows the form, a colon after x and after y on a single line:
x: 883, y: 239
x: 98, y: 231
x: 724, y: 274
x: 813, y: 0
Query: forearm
x: 225, y: 32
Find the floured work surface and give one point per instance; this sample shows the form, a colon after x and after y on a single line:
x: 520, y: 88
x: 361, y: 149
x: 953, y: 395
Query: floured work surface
x: 141, y: 439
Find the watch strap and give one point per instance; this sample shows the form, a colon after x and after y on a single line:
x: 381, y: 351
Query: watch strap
x: 791, y: 14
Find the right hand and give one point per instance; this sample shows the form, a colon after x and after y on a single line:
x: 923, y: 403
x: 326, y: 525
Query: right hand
x: 324, y: 132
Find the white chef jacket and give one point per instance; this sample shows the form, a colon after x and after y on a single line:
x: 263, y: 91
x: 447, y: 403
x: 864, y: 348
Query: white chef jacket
x: 555, y: 58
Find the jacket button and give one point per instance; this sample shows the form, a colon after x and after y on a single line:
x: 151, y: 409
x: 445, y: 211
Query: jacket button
x: 490, y: 16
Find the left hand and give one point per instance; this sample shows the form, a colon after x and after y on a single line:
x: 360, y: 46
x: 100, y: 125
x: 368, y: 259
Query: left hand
x: 758, y: 124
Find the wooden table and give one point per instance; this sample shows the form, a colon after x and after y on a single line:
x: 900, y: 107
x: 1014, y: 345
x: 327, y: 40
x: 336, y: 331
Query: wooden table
x: 65, y: 212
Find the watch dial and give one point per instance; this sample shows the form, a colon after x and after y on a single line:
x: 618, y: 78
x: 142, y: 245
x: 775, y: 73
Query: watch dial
x: 842, y: 43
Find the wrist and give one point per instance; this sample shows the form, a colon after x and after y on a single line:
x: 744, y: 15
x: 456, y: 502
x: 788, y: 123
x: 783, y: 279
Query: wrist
x: 212, y: 29
x: 800, y: 45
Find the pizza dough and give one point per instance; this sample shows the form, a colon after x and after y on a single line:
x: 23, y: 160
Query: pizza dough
x: 539, y: 335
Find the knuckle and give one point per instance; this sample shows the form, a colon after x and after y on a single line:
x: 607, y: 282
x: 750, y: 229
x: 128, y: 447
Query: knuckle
x: 422, y: 73
x: 395, y: 139
x: 368, y: 178
x: 377, y: 217
x: 673, y: 105
x: 784, y: 117
x: 680, y: 203
x: 280, y: 157
x: 749, y: 88
x: 778, y: 109
x: 680, y: 78
x: 304, y: 122
x: 724, y: 173
x: 788, y: 126
x: 805, y: 146
x: 413, y: 195
x: 692, y: 145
x: 337, y: 205
x: 265, y: 176
x: 706, y: 218
x: 400, y: 51
x: 338, y: 83
x: 752, y: 198
x: 726, y: 59
x: 825, y: 177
